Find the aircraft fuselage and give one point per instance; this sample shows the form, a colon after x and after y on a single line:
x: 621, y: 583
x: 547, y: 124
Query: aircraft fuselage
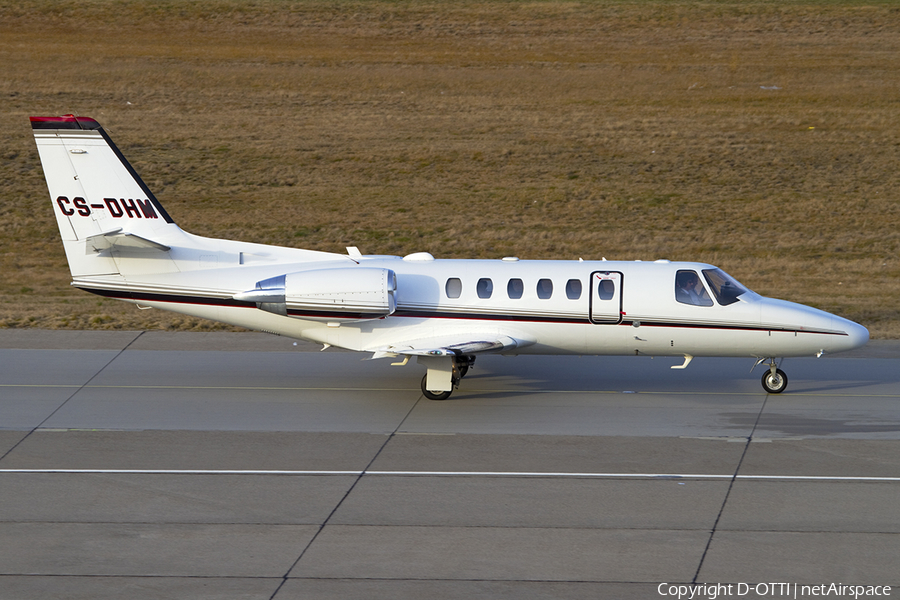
x: 121, y: 243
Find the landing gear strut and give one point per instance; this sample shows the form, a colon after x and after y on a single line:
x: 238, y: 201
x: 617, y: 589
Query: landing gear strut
x: 774, y: 381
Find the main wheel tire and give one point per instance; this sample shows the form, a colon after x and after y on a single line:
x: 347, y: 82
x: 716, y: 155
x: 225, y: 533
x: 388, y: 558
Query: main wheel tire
x: 463, y: 363
x: 774, y: 383
x: 433, y: 395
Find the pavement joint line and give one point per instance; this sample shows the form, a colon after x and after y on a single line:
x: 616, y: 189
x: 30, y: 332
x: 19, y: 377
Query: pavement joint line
x: 73, y: 394
x: 522, y: 474
x: 346, y: 495
x: 734, y: 479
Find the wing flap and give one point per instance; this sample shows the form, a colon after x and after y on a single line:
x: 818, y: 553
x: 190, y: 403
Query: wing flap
x: 452, y: 345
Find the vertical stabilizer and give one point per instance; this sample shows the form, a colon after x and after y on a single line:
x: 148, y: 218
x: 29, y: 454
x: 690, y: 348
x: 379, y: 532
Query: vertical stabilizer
x: 102, y: 206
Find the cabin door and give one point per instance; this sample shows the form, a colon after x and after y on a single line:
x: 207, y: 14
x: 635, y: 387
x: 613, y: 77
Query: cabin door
x: 606, y: 297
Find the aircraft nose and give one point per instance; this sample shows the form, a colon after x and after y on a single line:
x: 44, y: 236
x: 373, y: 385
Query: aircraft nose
x: 857, y: 335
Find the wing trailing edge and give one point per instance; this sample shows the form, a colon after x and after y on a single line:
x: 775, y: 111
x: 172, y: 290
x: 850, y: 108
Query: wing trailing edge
x: 455, y: 345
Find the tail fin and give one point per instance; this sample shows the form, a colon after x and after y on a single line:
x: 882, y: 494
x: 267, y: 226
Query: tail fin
x: 101, y: 203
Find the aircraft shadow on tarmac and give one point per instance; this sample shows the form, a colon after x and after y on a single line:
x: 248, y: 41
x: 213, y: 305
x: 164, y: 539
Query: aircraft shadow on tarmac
x: 795, y: 425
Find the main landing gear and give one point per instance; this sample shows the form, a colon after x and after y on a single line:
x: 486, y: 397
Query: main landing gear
x: 461, y: 366
x: 774, y: 381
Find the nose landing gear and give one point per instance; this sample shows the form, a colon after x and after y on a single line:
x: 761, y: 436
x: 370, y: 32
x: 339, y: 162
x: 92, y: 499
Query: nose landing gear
x: 774, y: 381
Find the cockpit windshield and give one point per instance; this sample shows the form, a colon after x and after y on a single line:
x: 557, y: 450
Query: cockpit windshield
x: 725, y: 288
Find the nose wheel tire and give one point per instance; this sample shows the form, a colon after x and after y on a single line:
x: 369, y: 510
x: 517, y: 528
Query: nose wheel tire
x: 774, y: 383
x: 433, y: 395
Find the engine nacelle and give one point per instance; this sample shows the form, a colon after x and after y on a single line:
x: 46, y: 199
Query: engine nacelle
x: 344, y: 294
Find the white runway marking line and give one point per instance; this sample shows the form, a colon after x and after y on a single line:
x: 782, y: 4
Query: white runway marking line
x: 523, y: 474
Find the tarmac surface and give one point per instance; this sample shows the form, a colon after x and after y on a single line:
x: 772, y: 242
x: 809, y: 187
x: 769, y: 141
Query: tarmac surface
x: 240, y: 465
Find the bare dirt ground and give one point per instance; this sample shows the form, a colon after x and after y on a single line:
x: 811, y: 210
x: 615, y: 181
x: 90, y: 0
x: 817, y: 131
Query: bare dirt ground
x: 763, y: 137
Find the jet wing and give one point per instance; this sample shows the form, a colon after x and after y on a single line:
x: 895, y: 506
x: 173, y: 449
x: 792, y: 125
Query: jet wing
x: 452, y: 345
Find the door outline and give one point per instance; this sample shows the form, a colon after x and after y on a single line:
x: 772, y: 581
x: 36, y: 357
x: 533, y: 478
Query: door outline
x: 608, y: 312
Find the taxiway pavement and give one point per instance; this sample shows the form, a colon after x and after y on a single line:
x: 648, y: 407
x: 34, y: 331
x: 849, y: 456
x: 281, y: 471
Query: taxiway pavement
x: 238, y: 465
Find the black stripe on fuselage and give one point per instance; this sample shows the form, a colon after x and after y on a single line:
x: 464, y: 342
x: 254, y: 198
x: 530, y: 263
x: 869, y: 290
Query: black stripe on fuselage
x: 434, y: 314
x: 473, y: 316
x: 576, y: 320
x: 225, y: 302
x: 171, y: 298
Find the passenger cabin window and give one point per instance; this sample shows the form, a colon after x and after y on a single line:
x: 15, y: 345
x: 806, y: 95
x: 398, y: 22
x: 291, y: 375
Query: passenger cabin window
x: 453, y: 287
x: 606, y: 289
x: 689, y: 289
x: 573, y: 289
x: 544, y: 289
x: 484, y: 288
x: 515, y: 288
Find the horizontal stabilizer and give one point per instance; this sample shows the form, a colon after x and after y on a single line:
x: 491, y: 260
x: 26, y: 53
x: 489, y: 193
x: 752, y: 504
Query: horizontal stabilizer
x: 121, y: 239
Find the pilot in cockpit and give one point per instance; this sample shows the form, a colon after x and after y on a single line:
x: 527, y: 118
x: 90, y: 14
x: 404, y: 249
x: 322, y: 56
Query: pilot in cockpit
x: 689, y: 290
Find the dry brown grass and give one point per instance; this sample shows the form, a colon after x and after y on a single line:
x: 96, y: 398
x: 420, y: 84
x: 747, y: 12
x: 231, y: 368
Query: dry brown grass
x: 477, y: 129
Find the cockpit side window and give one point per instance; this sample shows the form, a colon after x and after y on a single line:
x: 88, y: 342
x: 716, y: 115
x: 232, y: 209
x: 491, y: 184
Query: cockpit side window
x: 690, y: 290
x: 724, y: 286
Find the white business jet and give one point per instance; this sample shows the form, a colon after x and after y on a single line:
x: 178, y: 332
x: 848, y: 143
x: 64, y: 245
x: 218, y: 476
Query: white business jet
x: 121, y: 243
